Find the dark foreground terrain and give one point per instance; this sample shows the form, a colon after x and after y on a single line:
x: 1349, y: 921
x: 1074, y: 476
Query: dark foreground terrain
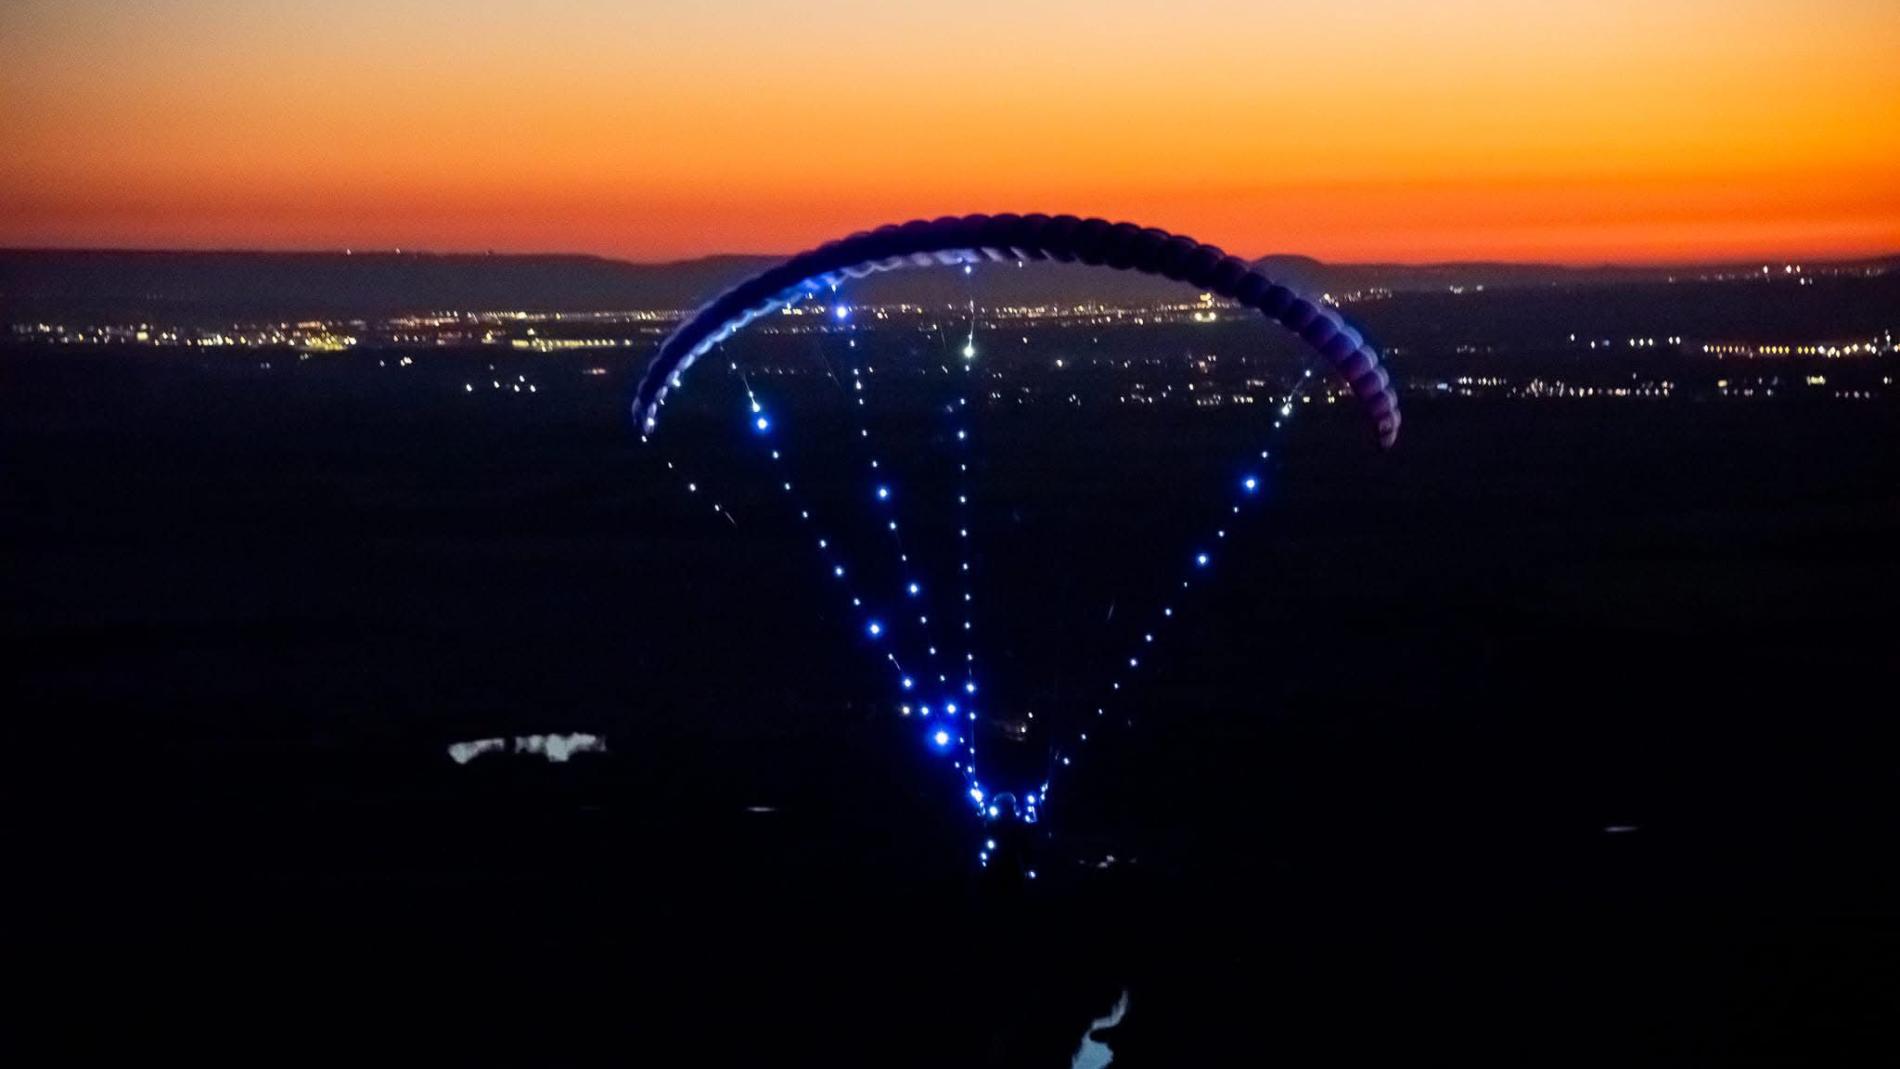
x: 1368, y: 815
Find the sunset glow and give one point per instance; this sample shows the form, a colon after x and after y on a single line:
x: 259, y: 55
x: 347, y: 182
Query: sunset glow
x: 1651, y: 130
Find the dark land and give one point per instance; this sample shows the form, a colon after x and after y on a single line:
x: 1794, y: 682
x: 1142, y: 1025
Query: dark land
x: 1364, y: 810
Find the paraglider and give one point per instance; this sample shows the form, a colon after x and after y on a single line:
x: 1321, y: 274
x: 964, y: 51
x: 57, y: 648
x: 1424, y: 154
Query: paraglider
x: 943, y: 697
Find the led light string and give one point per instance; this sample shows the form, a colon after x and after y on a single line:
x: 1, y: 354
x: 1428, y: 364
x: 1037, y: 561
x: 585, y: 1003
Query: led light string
x: 1201, y: 559
x: 959, y: 410
x: 950, y: 715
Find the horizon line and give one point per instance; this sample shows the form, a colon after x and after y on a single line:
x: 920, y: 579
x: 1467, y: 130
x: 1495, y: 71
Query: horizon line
x: 387, y: 251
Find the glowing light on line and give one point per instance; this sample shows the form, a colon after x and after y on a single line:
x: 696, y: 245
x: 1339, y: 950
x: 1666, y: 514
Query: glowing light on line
x: 874, y: 628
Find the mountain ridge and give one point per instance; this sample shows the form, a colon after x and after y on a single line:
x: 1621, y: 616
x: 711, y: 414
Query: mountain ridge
x: 331, y: 283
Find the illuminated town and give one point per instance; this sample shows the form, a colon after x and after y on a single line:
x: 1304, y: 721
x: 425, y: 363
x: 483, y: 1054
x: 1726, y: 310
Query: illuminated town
x: 1072, y: 353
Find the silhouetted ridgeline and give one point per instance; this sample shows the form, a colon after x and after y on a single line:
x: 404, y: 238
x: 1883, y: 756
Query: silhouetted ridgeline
x: 219, y: 285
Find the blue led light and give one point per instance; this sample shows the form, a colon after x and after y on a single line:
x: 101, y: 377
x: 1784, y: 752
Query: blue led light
x: 1201, y: 559
x: 883, y: 493
x: 976, y: 793
x: 842, y: 312
x: 762, y: 424
x: 950, y: 707
x: 915, y: 589
x: 941, y: 738
x: 908, y: 683
x: 1250, y: 484
x: 838, y: 570
x: 874, y: 628
x: 969, y: 687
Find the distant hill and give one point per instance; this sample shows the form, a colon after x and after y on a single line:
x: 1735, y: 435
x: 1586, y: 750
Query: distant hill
x: 220, y: 285
x: 182, y: 286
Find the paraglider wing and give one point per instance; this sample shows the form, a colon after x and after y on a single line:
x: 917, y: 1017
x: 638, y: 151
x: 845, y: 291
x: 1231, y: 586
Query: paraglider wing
x: 1003, y: 238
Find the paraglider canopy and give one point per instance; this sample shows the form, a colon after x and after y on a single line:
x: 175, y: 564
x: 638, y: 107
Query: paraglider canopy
x: 1064, y: 238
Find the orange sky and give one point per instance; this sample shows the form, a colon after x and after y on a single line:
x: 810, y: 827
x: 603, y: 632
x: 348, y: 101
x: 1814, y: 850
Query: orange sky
x: 1383, y: 129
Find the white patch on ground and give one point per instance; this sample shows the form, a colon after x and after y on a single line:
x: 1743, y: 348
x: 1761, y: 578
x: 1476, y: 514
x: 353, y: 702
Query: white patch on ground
x: 1093, y: 1054
x: 464, y: 752
x: 556, y: 748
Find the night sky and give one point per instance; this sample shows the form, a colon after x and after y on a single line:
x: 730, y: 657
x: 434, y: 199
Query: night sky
x: 1659, y: 130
